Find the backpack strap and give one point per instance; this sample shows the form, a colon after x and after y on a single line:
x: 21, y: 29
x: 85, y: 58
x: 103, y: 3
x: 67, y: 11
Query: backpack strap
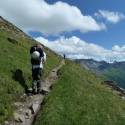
x: 33, y: 48
x: 40, y: 51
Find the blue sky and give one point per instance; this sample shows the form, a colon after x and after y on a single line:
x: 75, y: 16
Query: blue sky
x: 79, y: 28
x: 115, y: 34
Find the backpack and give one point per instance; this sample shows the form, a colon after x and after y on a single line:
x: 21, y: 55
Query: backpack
x: 38, y: 49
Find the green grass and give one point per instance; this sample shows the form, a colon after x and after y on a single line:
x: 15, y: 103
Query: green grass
x: 79, y: 98
x: 15, y: 55
x: 117, y: 75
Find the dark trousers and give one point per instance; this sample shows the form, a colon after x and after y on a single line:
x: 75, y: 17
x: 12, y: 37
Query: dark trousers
x: 36, y: 75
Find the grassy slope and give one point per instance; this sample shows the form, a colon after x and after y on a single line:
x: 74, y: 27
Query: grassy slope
x: 117, y: 75
x: 78, y: 98
x: 13, y: 56
x: 114, y: 71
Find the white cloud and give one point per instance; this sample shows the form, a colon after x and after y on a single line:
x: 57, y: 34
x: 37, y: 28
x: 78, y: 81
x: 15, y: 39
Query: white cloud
x: 118, y: 48
x: 75, y: 48
x: 38, y: 15
x: 113, y: 17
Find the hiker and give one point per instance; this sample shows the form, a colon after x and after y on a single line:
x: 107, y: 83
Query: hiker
x: 38, y: 57
x: 64, y: 56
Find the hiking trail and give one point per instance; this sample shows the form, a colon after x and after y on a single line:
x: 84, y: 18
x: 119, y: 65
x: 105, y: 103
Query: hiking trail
x: 27, y: 110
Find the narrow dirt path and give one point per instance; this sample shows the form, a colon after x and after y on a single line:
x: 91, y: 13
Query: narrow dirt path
x: 27, y: 110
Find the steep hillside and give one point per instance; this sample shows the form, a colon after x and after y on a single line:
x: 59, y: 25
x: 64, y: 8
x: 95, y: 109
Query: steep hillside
x: 79, y: 98
x: 110, y: 71
x: 15, y: 68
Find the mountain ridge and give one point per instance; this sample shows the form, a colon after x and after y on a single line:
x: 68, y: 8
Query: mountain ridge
x: 112, y: 71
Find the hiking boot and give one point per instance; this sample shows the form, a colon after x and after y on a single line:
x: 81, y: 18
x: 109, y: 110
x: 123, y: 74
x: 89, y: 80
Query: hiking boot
x: 39, y: 91
x: 34, y: 91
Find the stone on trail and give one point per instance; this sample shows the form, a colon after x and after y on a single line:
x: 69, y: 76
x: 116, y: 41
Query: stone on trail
x: 46, y: 89
x: 123, y: 97
x: 28, y: 113
x: 18, y: 117
x: 35, y: 107
x: 18, y: 104
x: 6, y: 123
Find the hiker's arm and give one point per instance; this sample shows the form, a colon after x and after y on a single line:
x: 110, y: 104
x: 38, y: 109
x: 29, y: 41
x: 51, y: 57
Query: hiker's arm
x: 43, y: 59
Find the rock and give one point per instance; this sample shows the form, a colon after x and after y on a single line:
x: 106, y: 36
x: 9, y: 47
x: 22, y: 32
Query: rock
x: 18, y: 104
x: 6, y: 123
x: 46, y: 89
x: 18, y: 117
x: 21, y: 109
x: 53, y: 70
x: 28, y: 114
x: 123, y: 97
x: 35, y: 107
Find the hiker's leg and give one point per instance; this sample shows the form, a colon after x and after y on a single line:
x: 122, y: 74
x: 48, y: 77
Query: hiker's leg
x: 39, y: 80
x: 34, y: 87
x: 38, y: 86
x: 34, y: 83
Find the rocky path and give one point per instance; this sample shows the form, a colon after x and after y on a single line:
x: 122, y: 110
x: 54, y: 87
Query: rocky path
x: 27, y: 110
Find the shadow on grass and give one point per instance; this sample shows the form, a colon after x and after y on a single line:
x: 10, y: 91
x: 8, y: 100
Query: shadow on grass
x: 17, y: 75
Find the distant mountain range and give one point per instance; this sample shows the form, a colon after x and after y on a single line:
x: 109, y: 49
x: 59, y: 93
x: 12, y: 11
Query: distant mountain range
x: 110, y: 71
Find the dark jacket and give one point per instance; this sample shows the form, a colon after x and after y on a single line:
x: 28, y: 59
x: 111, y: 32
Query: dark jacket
x: 35, y: 48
